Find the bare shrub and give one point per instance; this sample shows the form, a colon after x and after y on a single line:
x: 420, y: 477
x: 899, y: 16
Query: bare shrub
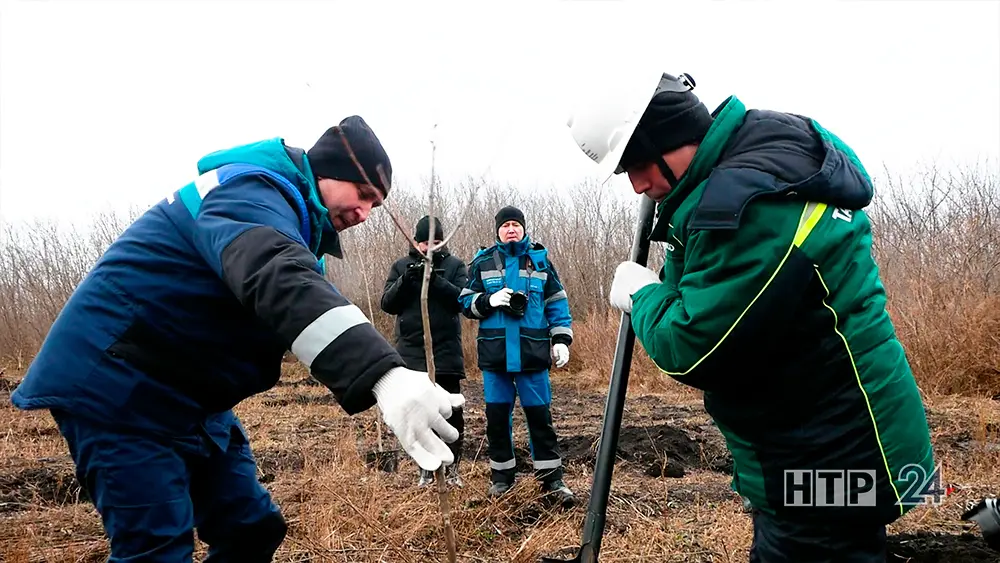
x: 41, y: 263
x: 935, y: 238
x: 937, y: 243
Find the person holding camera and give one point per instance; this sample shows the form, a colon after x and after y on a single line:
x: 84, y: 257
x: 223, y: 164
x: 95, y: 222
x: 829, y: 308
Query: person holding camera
x: 524, y: 322
x: 401, y: 297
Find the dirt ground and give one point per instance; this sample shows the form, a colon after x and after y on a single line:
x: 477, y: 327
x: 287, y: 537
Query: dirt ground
x: 670, y: 501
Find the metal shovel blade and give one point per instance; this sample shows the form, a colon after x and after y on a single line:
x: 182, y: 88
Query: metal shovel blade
x: 593, y: 526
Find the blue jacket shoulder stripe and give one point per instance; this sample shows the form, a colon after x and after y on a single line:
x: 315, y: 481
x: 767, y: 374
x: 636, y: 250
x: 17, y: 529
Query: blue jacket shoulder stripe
x: 193, y: 193
x: 482, y: 255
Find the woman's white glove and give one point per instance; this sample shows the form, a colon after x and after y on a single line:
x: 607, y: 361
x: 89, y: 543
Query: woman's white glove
x: 415, y: 409
x: 501, y: 298
x: 561, y: 353
x: 630, y: 277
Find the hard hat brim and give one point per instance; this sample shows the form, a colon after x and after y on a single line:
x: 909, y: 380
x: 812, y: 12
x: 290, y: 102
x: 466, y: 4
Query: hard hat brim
x: 632, y: 97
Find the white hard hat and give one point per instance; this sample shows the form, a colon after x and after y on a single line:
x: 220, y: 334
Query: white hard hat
x: 606, y: 116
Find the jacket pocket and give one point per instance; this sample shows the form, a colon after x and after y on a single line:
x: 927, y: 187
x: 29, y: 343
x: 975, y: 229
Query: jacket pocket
x: 491, y: 347
x: 536, y: 292
x: 535, y: 354
x: 146, y: 350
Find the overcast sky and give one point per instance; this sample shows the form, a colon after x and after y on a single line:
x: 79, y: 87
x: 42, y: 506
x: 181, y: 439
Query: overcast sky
x: 112, y: 103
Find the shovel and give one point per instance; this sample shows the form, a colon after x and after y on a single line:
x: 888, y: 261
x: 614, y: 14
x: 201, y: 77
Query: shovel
x: 593, y: 526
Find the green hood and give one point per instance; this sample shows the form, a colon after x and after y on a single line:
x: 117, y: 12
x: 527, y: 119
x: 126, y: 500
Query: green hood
x: 272, y: 154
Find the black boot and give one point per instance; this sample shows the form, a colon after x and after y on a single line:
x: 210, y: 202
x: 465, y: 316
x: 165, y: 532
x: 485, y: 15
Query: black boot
x: 558, y: 492
x: 498, y: 488
x: 451, y: 475
x: 426, y: 477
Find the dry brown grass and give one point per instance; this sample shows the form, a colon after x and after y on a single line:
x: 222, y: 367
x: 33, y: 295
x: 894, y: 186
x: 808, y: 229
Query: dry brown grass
x: 312, y: 457
x: 937, y: 250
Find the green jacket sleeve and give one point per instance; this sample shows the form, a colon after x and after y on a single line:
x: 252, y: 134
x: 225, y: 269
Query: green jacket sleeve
x: 736, y: 294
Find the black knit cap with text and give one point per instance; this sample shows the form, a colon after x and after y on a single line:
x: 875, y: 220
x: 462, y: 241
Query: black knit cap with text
x: 329, y: 157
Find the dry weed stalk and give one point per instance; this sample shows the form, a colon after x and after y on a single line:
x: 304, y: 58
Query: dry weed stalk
x: 443, y: 494
x: 371, y: 315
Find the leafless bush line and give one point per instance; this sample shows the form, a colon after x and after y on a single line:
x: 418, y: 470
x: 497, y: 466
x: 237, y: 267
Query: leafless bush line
x: 935, y: 236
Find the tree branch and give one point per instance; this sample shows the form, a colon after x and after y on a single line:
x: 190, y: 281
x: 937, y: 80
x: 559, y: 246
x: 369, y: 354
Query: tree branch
x: 395, y: 219
x: 443, y: 496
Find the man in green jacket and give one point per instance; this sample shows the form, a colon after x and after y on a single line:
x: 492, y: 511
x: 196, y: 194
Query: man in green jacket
x: 770, y: 302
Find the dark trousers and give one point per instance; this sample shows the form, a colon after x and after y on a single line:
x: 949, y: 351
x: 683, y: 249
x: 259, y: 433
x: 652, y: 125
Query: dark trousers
x: 452, y: 383
x: 153, y: 492
x: 777, y: 540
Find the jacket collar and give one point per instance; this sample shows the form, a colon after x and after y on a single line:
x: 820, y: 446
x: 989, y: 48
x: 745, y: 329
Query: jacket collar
x: 514, y: 248
x: 728, y: 116
x: 327, y: 238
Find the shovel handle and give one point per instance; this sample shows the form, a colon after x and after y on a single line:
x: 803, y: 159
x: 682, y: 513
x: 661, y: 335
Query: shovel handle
x: 593, y: 527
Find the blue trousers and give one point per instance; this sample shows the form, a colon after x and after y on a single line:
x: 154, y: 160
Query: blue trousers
x: 535, y: 390
x: 152, y: 493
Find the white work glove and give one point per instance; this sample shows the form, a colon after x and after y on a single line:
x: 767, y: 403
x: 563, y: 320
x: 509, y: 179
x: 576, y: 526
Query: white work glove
x: 414, y: 409
x: 630, y: 277
x: 561, y: 353
x: 501, y: 298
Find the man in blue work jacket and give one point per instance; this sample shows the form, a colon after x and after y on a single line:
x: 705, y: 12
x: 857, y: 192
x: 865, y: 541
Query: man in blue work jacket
x: 188, y: 313
x: 515, y: 294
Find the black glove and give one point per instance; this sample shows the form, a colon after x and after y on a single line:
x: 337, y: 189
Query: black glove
x: 414, y: 274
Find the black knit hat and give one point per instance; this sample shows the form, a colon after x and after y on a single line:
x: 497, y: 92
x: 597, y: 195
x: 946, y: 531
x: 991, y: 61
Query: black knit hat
x: 674, y: 117
x: 509, y: 213
x: 329, y: 157
x: 422, y: 232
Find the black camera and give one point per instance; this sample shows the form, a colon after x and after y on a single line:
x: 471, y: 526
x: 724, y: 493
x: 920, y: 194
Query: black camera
x: 415, y: 271
x: 518, y: 303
